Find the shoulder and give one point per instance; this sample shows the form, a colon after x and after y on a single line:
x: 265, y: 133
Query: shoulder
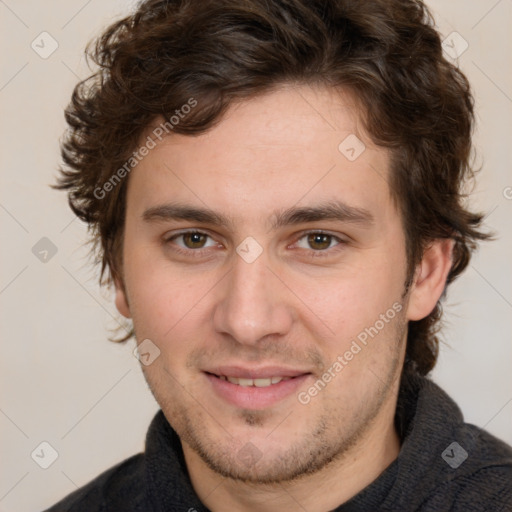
x: 477, y: 475
x: 118, y: 488
x: 445, y: 463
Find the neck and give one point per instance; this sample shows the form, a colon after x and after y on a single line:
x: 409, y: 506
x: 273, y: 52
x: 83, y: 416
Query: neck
x: 324, y: 490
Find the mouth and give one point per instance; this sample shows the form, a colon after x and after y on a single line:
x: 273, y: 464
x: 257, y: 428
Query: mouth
x: 255, y: 388
x: 258, y: 383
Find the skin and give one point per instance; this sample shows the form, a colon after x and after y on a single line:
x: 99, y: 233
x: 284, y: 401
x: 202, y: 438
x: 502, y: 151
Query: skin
x: 299, y: 304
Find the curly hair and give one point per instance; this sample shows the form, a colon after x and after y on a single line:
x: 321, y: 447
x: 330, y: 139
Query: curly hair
x: 387, y: 52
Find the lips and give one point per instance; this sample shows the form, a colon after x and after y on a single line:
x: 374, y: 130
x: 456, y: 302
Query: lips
x: 255, y: 388
x: 265, y: 372
x: 259, y: 383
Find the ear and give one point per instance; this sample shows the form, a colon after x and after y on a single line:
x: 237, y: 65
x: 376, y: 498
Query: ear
x: 430, y: 278
x: 121, y: 299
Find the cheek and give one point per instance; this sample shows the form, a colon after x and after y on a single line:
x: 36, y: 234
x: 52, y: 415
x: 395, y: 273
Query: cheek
x: 353, y: 298
x: 363, y: 349
x: 163, y: 299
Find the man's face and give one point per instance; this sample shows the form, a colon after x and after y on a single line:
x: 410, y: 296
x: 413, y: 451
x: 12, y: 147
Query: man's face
x: 279, y: 314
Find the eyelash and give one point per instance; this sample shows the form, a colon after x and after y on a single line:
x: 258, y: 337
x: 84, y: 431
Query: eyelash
x: 311, y: 252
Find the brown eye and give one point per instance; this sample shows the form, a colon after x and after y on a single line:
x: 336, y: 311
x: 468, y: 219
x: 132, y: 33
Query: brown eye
x: 319, y: 241
x: 194, y: 240
x: 191, y: 244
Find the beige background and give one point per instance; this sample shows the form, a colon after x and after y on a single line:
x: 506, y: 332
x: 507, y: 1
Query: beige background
x: 61, y: 380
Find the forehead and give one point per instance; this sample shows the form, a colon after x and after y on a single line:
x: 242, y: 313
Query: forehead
x: 286, y: 115
x: 292, y: 145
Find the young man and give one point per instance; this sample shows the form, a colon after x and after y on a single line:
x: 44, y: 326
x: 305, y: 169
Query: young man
x: 275, y: 189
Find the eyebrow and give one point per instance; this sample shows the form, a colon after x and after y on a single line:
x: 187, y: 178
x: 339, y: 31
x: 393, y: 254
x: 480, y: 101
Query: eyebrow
x: 331, y: 210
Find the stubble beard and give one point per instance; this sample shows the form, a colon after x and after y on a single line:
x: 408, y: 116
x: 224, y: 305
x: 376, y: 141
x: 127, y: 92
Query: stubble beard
x: 329, y: 440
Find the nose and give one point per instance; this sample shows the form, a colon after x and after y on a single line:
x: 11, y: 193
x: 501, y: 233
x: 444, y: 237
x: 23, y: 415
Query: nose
x: 253, y: 303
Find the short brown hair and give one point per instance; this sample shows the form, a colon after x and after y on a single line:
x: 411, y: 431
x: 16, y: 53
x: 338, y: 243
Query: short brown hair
x: 386, y: 52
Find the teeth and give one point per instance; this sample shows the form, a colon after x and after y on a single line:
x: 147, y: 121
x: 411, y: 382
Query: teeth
x: 262, y: 383
x: 243, y: 382
x: 259, y: 383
